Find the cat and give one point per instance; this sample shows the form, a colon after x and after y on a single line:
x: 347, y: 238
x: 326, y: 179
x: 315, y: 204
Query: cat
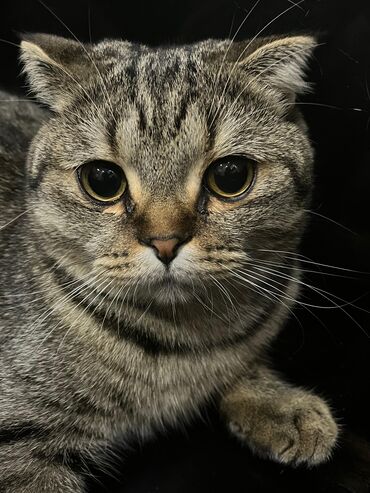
x: 144, y: 208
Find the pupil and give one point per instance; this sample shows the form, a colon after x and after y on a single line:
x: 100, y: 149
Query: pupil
x: 231, y: 177
x: 105, y: 181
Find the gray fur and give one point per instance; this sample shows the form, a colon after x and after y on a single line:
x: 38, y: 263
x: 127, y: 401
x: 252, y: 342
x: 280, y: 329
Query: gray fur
x: 98, y: 345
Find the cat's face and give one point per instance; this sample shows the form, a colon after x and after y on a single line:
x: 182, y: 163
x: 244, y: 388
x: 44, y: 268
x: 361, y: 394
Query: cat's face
x: 168, y: 170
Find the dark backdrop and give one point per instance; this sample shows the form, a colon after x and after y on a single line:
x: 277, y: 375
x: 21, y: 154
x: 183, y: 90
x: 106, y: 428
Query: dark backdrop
x: 328, y: 349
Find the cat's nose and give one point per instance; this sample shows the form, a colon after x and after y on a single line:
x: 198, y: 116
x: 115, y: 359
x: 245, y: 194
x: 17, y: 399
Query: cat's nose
x: 165, y: 250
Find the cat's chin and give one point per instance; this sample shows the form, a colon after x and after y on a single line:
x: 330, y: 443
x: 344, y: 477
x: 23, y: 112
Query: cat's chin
x: 169, y: 291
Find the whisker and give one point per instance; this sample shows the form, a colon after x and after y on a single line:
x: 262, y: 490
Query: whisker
x: 258, y: 278
x: 72, y: 325
x: 325, y: 294
x: 16, y: 100
x: 144, y: 312
x: 231, y: 25
x: 89, y: 22
x: 292, y: 312
x: 9, y: 42
x: 87, y: 54
x: 110, y: 305
x: 245, y: 49
x: 44, y: 316
x: 302, y: 258
x: 256, y: 77
x: 319, y: 291
x: 330, y: 220
x: 226, y: 53
x: 306, y: 271
x: 122, y: 302
x: 15, y: 218
x: 259, y: 289
x: 226, y: 296
x: 322, y: 105
x: 297, y: 5
x: 105, y: 286
x: 204, y: 305
x: 266, y: 293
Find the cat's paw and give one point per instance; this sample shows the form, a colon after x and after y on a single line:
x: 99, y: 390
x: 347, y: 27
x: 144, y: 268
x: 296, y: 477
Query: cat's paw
x: 295, y: 429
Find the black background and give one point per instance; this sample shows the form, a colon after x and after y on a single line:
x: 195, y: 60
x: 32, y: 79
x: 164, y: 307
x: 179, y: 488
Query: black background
x: 328, y: 350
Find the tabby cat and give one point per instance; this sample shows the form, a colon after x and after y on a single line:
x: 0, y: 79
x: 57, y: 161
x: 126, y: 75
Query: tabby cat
x: 143, y: 208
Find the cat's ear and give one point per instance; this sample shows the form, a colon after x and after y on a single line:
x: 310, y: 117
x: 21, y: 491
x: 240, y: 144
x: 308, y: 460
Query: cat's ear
x: 55, y: 67
x: 279, y: 62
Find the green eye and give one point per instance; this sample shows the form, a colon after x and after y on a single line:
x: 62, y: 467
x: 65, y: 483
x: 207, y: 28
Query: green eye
x: 102, y: 180
x: 230, y: 177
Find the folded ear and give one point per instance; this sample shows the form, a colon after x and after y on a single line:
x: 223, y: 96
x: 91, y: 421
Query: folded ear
x: 279, y: 63
x: 56, y: 68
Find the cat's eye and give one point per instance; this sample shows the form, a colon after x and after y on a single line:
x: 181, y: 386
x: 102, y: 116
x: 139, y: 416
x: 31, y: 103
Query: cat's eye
x: 230, y: 177
x: 102, y: 180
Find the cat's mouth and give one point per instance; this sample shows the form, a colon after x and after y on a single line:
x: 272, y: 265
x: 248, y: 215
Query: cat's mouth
x: 169, y: 281
x: 170, y: 288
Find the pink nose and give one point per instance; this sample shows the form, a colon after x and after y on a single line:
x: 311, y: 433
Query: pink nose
x: 165, y: 249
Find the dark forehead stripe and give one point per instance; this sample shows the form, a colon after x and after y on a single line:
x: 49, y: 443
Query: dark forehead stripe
x: 130, y: 75
x: 127, y: 80
x: 189, y: 94
x: 169, y: 83
x: 143, y: 122
x: 181, y: 115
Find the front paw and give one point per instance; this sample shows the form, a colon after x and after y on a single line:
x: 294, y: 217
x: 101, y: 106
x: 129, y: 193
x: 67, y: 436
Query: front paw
x: 295, y: 428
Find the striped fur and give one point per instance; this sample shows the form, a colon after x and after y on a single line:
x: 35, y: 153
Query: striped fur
x: 100, y: 343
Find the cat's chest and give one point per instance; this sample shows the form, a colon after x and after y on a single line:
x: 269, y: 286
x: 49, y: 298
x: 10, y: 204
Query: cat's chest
x: 151, y: 388
x: 135, y: 384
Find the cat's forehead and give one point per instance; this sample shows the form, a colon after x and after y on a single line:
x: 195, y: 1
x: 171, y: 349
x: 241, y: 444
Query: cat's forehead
x: 155, y: 70
x: 156, y: 104
x: 160, y: 111
x: 123, y: 52
x: 154, y: 108
x: 163, y: 142
x: 160, y: 84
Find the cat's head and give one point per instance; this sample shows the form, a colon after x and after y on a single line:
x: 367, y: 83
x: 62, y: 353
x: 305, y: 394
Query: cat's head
x: 168, y: 170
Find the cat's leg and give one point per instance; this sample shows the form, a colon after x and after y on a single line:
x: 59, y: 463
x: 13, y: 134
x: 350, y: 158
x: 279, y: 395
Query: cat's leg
x: 279, y: 421
x: 24, y: 470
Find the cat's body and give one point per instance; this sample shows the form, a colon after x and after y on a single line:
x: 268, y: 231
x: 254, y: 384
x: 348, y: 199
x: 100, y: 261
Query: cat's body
x: 90, y: 356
